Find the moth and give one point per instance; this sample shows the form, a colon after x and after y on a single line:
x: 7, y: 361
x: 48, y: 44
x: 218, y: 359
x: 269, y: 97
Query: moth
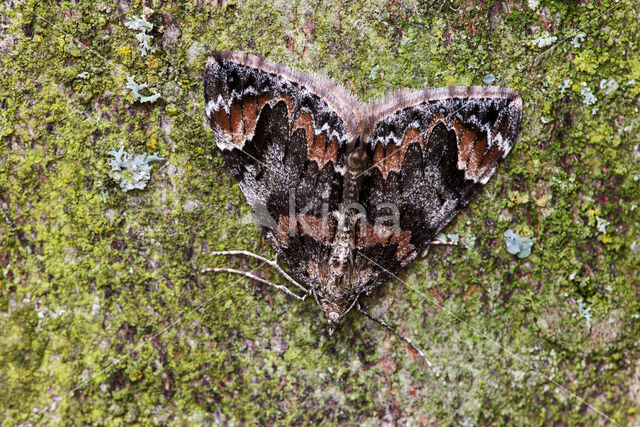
x: 348, y: 193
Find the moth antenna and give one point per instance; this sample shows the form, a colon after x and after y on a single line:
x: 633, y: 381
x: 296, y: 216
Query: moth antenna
x: 273, y: 264
x: 399, y: 335
x: 440, y: 242
x: 256, y: 278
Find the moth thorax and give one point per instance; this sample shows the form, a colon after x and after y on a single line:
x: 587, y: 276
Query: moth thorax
x: 356, y: 164
x: 357, y: 160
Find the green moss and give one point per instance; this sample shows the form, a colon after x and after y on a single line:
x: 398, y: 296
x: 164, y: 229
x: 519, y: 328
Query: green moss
x: 102, y: 289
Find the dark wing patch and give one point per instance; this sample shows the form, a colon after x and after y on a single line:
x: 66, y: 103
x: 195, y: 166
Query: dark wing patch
x: 282, y: 135
x: 431, y: 152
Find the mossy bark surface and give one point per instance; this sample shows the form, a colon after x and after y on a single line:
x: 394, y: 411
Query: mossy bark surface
x: 106, y: 317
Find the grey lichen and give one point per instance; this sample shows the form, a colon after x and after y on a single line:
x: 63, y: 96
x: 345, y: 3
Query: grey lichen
x: 589, y: 97
x: 131, y: 171
x: 137, y: 87
x: 518, y: 245
x: 542, y: 42
x: 141, y: 25
x: 138, y: 23
x: 602, y: 224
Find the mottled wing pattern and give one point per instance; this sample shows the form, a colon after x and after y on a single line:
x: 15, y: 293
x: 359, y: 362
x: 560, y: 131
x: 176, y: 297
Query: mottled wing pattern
x: 283, y: 135
x: 431, y: 152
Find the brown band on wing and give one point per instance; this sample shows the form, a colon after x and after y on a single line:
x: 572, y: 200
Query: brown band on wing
x: 458, y: 129
x: 266, y: 98
x: 385, y: 235
x: 412, y: 135
x: 466, y: 141
x: 249, y: 113
x: 319, y: 228
x: 241, y: 121
x: 402, y: 239
x: 492, y: 157
x: 489, y: 161
x: 282, y: 232
x: 434, y: 121
x: 237, y: 125
x: 321, y: 152
x: 475, y: 160
x: 391, y: 159
x: 261, y: 101
x: 315, y: 146
x: 221, y: 120
x: 331, y: 152
x: 287, y: 100
x: 316, y: 150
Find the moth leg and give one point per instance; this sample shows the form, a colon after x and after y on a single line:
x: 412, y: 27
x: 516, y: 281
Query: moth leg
x: 399, y: 335
x: 273, y: 264
x: 256, y: 278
